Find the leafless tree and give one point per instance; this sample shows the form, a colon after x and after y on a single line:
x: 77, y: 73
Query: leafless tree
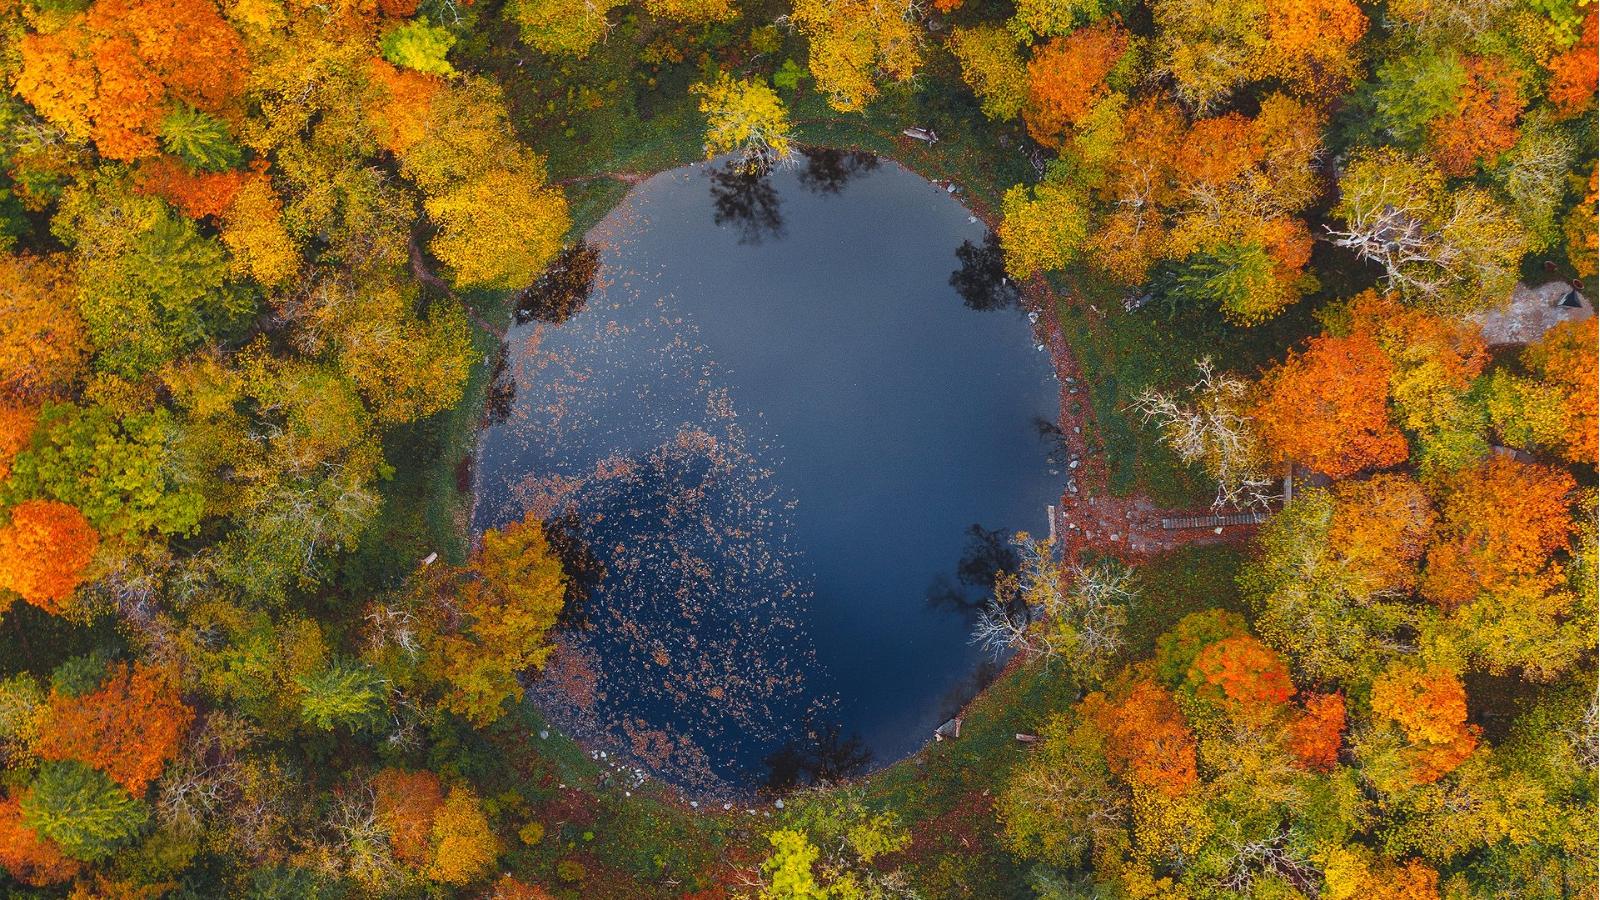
x: 1207, y: 426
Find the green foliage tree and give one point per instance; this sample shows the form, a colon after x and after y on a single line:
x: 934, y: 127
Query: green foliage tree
x: 342, y: 695
x: 150, y: 286
x: 419, y: 45
x: 115, y: 469
x: 199, y: 139
x: 82, y: 810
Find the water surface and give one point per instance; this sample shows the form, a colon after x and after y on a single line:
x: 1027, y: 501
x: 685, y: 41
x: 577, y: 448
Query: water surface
x: 795, y: 448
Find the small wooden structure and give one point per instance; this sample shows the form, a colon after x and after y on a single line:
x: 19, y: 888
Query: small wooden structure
x: 1247, y: 518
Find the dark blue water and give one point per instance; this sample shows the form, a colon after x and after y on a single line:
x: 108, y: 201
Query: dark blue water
x: 775, y: 424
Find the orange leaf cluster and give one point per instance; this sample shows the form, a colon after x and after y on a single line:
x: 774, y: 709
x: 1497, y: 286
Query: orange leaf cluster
x: 1217, y: 150
x: 43, y: 345
x: 1430, y: 706
x: 30, y: 858
x: 16, y: 429
x: 1573, y: 74
x: 1379, y: 529
x: 1327, y: 408
x: 407, y: 803
x: 399, y: 115
x: 128, y: 728
x: 1311, y: 42
x: 1315, y: 736
x: 196, y: 194
x: 1067, y: 76
x: 1146, y: 738
x: 1243, y: 674
x: 107, y: 74
x: 1498, y: 522
x: 1566, y: 357
x: 44, y: 551
x: 1484, y: 122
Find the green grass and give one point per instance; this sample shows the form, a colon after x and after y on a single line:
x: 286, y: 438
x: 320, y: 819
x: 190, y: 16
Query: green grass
x: 1122, y: 353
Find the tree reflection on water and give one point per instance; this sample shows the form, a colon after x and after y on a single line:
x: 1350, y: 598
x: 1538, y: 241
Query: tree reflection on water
x: 982, y: 281
x: 745, y: 200
x: 827, y: 756
x: 828, y: 170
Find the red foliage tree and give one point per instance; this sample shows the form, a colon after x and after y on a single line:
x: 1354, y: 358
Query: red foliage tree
x: 128, y: 728
x: 1315, y: 736
x: 44, y: 551
x: 407, y: 803
x: 1484, y: 123
x: 1243, y: 675
x: 196, y: 194
x: 1573, y: 74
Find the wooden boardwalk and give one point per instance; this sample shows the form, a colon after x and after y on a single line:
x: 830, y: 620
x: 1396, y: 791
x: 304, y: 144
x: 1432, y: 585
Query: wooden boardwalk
x: 1248, y: 518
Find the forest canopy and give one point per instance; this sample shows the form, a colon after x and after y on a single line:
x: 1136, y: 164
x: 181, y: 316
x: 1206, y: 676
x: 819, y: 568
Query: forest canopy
x: 257, y: 258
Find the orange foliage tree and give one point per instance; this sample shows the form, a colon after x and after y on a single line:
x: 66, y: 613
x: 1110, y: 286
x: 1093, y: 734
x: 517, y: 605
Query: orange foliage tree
x: 1430, y: 706
x: 16, y: 429
x: 1484, y: 123
x: 1243, y: 675
x: 128, y: 728
x: 1067, y: 76
x: 1311, y: 43
x: 44, y: 551
x: 108, y: 73
x: 1566, y: 357
x: 43, y: 347
x: 406, y: 804
x: 1573, y: 74
x: 1379, y: 529
x: 1498, y: 522
x: 1314, y: 736
x: 30, y: 858
x: 1328, y: 409
x: 1146, y: 738
x: 197, y: 194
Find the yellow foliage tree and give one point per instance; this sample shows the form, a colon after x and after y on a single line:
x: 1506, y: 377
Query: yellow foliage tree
x: 744, y: 116
x: 462, y: 848
x: 253, y: 232
x: 1042, y: 229
x: 993, y: 68
x: 507, y: 614
x: 855, y: 43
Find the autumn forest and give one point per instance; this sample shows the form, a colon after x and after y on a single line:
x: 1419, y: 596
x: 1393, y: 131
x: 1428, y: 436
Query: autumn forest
x: 1314, y: 615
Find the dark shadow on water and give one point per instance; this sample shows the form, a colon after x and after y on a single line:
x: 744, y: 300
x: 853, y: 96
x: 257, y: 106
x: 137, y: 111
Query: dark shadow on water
x: 988, y: 555
x: 745, y: 200
x: 826, y: 756
x: 828, y: 170
x: 585, y: 571
x: 982, y: 281
x: 502, y: 393
x: 563, y: 289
